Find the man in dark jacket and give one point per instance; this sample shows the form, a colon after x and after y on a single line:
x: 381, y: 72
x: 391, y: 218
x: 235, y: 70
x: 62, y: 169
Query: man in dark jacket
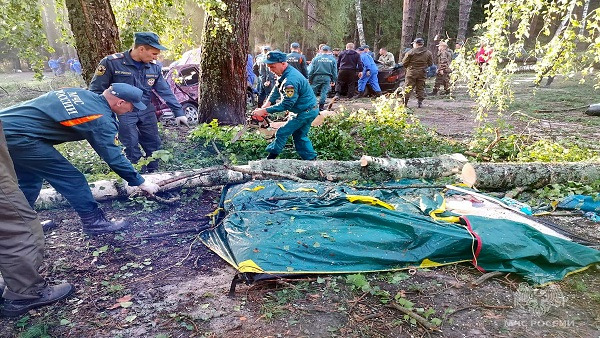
x: 33, y: 128
x: 415, y: 62
x: 297, y: 60
x: 349, y: 67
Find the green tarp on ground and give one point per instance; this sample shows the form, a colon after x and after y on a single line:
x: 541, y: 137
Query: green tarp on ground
x: 284, y: 227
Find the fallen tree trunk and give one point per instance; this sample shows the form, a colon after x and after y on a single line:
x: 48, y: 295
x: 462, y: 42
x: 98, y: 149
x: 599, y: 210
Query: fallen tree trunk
x: 487, y: 176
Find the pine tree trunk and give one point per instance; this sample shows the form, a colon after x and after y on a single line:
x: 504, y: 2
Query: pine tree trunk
x: 95, y: 30
x: 464, y: 12
x: 222, y: 91
x: 359, y: 23
x: 409, y: 10
x: 431, y: 23
x: 438, y: 26
x: 422, y: 17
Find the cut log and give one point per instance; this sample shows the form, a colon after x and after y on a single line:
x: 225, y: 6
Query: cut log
x: 486, y: 176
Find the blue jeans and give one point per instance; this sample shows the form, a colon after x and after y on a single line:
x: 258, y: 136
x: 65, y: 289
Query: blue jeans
x: 298, y: 127
x: 36, y: 160
x: 139, y: 128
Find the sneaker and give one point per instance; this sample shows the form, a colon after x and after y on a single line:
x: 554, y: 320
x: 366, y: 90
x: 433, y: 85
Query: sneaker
x: 46, y: 296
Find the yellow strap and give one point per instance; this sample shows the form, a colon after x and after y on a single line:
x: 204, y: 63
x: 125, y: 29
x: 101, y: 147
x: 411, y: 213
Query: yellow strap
x: 434, y: 213
x: 369, y: 200
x: 427, y: 263
x: 249, y: 266
x: 257, y: 188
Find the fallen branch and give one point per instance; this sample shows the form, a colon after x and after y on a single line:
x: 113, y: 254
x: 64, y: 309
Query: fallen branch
x: 487, y: 276
x: 559, y: 110
x: 423, y: 321
x: 176, y: 232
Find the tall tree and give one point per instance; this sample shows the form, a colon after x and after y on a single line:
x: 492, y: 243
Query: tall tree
x: 222, y: 91
x: 409, y: 10
x: 586, y: 7
x: 422, y: 17
x: 359, y: 22
x: 464, y: 11
x: 435, y: 31
x: 95, y: 30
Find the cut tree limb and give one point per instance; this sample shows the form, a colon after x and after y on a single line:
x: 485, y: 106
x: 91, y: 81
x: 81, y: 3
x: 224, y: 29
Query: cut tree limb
x: 490, y: 176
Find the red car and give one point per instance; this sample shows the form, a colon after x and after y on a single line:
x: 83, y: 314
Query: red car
x: 183, y: 80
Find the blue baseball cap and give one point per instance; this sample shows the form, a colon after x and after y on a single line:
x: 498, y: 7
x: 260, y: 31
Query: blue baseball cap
x: 366, y: 47
x: 295, y: 45
x: 360, y: 48
x: 148, y: 38
x: 267, y: 48
x: 275, y: 57
x: 128, y: 93
x: 326, y: 48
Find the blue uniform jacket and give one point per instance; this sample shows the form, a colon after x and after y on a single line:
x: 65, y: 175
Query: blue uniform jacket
x: 323, y: 64
x: 70, y: 114
x: 296, y: 94
x: 368, y: 63
x: 120, y: 67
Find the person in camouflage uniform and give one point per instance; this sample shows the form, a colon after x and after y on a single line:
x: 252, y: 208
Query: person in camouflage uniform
x: 416, y: 61
x: 442, y: 76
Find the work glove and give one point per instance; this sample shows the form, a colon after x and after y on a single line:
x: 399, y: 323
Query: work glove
x: 259, y: 115
x: 179, y: 120
x: 149, y: 187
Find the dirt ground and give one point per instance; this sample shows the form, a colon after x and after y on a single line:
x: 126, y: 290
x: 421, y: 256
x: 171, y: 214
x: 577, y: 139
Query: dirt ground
x: 141, y: 283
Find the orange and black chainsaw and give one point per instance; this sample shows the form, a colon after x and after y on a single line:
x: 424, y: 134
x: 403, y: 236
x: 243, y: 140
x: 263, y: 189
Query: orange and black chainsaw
x: 252, y: 122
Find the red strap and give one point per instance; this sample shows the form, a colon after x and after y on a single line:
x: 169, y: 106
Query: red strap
x: 479, y: 244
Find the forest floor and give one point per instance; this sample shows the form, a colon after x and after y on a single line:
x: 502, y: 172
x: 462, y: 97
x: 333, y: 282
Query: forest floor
x: 139, y: 284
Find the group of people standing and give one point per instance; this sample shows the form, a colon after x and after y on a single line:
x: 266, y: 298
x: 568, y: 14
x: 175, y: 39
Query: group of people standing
x: 59, y: 66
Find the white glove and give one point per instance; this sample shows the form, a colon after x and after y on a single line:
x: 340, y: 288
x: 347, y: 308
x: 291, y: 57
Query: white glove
x: 182, y: 120
x: 149, y: 187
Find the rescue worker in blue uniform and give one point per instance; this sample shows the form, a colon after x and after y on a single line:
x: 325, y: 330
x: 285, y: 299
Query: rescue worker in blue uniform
x: 297, y: 60
x: 322, y: 73
x: 298, y: 98
x: 33, y: 128
x: 266, y: 79
x: 138, y: 67
x: 369, y: 74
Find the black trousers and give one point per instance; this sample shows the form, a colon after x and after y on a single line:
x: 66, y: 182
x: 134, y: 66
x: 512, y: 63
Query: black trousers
x: 347, y: 79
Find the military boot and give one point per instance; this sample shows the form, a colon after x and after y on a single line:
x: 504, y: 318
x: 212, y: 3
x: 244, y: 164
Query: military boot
x: 361, y: 94
x: 272, y: 156
x: 378, y: 94
x: 16, y: 304
x: 434, y: 92
x: 321, y: 106
x: 95, y: 223
x: 48, y: 225
x: 420, y: 104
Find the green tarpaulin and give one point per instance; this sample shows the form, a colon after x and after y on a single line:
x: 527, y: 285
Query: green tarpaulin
x: 284, y: 227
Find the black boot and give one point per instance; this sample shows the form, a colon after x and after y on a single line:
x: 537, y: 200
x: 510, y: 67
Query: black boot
x: 48, y: 225
x: 321, y: 106
x: 420, y: 104
x: 378, y: 94
x: 361, y: 94
x: 95, y: 223
x: 18, y: 304
x: 272, y: 156
x: 434, y: 92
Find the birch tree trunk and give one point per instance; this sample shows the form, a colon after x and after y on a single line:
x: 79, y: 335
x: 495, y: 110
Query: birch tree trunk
x: 464, y: 11
x: 409, y: 10
x: 359, y: 23
x: 95, y: 30
x: 225, y: 69
x: 489, y: 176
x: 586, y: 7
x: 563, y: 23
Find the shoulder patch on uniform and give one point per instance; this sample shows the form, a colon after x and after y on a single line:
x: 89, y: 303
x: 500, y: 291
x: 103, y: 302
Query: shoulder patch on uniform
x: 100, y: 70
x: 289, y: 90
x: 115, y: 56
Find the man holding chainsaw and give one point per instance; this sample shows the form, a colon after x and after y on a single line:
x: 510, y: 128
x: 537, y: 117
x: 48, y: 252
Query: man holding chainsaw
x: 297, y: 97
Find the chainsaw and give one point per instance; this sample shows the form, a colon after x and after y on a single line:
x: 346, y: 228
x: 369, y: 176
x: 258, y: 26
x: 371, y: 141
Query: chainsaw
x: 252, y: 122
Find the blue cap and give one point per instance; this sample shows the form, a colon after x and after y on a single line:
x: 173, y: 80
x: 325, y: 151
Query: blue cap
x: 266, y: 48
x: 148, y: 38
x: 326, y: 48
x: 295, y: 45
x: 366, y: 47
x: 419, y: 41
x: 360, y: 48
x: 275, y: 57
x: 128, y: 93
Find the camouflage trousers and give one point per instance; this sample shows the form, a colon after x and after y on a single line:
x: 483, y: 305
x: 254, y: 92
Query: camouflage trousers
x: 442, y: 79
